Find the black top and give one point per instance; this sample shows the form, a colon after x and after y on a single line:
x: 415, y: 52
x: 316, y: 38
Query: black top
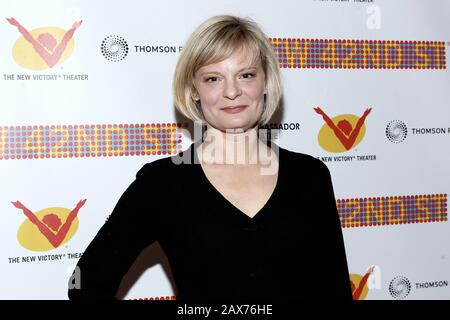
x: 291, y: 249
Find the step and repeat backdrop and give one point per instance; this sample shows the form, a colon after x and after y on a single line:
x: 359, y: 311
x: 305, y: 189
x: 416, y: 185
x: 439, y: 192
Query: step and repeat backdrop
x: 85, y: 102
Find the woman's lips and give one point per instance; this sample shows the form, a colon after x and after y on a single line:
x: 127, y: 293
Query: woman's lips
x: 235, y: 109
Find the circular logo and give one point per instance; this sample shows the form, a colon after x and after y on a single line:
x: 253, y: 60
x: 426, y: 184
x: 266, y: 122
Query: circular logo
x: 400, y: 287
x: 114, y: 48
x: 396, y: 131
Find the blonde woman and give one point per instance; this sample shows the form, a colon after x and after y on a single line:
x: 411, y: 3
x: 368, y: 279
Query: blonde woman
x: 238, y: 216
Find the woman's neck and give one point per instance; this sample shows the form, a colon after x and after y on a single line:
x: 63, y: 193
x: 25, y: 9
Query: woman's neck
x: 234, y: 147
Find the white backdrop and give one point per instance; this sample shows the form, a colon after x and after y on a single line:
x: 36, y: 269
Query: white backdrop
x: 410, y: 251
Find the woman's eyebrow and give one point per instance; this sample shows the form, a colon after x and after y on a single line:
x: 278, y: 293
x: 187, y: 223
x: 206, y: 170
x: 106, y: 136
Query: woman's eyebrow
x: 219, y: 73
x: 209, y: 72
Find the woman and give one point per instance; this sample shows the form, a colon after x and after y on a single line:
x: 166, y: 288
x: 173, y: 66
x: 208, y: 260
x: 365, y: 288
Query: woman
x: 247, y: 219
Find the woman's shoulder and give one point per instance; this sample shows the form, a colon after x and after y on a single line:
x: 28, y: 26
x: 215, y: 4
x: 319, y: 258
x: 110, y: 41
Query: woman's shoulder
x: 163, y: 167
x: 306, y: 161
x: 302, y: 167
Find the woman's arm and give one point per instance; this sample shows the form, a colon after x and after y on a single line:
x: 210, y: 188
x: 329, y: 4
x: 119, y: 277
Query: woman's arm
x: 332, y: 268
x: 131, y: 227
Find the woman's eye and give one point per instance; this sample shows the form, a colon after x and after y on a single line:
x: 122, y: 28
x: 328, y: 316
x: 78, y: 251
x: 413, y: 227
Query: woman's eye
x: 211, y: 79
x: 248, y: 75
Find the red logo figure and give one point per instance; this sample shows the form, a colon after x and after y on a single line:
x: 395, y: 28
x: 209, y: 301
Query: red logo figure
x: 50, y: 226
x: 45, y: 44
x: 344, y: 130
x: 356, y: 292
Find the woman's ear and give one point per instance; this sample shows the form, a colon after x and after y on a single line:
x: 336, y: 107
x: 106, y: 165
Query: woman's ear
x: 195, y: 96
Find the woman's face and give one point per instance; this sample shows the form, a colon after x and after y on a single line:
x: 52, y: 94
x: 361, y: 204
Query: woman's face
x: 231, y: 92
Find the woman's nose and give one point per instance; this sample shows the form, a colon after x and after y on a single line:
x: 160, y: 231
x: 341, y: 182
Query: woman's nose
x: 232, y: 89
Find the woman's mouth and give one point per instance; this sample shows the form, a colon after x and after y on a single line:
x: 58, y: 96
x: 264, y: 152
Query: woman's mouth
x: 234, y: 109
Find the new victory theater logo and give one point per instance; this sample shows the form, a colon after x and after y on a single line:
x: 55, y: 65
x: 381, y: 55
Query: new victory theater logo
x: 42, y: 48
x: 49, y: 228
x: 343, y: 132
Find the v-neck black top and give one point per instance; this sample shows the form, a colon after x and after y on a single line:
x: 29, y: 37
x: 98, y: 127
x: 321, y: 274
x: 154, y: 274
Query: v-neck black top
x: 292, y: 248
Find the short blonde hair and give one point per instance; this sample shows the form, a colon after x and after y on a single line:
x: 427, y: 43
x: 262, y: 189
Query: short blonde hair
x: 213, y: 41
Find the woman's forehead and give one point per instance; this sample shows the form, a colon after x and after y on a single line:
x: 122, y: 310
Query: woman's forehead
x: 241, y: 57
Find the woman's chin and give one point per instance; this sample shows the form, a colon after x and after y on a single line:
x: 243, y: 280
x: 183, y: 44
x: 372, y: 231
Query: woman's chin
x: 237, y: 125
